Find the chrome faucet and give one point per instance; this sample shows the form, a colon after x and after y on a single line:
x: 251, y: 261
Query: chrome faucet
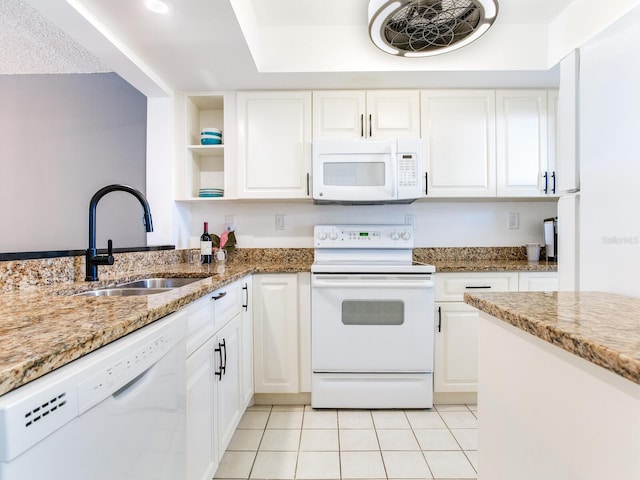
x: 92, y: 257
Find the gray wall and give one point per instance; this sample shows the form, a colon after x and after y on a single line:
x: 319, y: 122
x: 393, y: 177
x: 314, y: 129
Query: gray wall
x: 62, y: 137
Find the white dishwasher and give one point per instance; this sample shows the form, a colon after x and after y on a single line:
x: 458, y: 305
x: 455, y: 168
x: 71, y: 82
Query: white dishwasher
x: 116, y: 413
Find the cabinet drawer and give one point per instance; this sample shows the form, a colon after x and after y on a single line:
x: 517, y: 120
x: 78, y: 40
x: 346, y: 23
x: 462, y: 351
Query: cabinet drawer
x: 451, y: 287
x: 227, y: 303
x: 200, y: 323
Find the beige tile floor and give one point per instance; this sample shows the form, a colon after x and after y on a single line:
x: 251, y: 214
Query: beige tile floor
x: 298, y: 442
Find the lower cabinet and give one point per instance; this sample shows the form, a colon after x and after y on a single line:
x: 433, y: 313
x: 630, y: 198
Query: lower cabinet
x: 282, y: 338
x: 456, y: 335
x: 216, y: 381
x: 456, y: 348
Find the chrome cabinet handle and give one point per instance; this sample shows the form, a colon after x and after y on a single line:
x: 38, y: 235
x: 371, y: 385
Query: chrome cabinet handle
x: 370, y: 127
x: 218, y: 297
x: 439, y: 319
x: 362, y: 124
x: 477, y: 286
x: 426, y: 183
x: 308, y: 191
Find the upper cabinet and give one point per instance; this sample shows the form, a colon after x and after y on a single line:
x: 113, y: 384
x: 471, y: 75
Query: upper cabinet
x: 521, y: 122
x: 274, y: 144
x: 202, y: 166
x: 458, y: 131
x: 373, y: 114
x: 487, y: 143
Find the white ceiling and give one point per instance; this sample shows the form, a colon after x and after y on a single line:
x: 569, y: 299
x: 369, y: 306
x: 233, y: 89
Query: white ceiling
x: 209, y: 45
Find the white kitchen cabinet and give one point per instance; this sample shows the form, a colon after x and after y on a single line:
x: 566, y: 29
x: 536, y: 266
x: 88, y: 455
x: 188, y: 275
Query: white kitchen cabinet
x: 373, y: 114
x: 214, y: 389
x: 275, y: 314
x: 521, y: 128
x: 456, y: 348
x: 456, y: 337
x: 274, y: 145
x: 304, y: 334
x: 202, y: 455
x: 538, y: 281
x: 550, y: 180
x: 227, y: 374
x: 568, y: 163
x: 458, y: 131
x: 203, y: 166
x: 246, y: 340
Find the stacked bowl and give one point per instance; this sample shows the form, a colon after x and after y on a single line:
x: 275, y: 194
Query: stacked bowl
x: 211, y: 136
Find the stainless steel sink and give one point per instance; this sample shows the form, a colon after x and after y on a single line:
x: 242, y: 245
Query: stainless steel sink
x: 121, y: 292
x: 148, y: 283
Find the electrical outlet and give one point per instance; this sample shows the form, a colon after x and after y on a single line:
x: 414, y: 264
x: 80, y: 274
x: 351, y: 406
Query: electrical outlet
x: 410, y: 219
x: 280, y: 222
x: 229, y: 223
x: 514, y: 221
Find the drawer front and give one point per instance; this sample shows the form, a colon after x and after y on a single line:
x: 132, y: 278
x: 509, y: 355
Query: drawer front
x: 200, y: 323
x: 227, y: 302
x: 451, y: 287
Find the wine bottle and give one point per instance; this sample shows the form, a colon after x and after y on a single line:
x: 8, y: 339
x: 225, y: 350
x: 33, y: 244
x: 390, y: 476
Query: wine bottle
x: 205, y: 245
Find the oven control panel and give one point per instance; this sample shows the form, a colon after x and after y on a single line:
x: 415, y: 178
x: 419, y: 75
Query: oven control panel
x: 363, y: 236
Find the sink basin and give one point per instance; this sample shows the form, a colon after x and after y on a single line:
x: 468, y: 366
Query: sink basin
x: 148, y: 283
x: 121, y: 292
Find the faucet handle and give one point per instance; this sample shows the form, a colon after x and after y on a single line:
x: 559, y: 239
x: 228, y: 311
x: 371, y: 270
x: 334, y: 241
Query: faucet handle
x: 110, y: 258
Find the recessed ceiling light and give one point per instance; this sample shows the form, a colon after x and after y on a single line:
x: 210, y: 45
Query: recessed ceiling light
x: 161, y: 7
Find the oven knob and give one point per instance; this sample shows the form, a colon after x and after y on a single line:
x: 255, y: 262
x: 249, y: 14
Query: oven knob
x: 406, y: 235
x: 333, y: 236
x: 395, y: 236
x: 322, y: 235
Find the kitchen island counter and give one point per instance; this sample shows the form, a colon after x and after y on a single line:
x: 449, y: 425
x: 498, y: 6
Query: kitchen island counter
x: 559, y: 372
x: 601, y: 328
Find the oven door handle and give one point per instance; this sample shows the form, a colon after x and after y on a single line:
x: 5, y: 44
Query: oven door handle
x: 404, y: 284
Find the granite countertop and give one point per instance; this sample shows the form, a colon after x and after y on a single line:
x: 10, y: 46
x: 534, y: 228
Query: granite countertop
x: 46, y: 327
x: 444, y: 266
x: 602, y: 328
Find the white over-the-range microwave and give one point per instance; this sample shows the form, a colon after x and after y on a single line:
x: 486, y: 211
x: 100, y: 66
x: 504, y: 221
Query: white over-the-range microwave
x: 367, y: 171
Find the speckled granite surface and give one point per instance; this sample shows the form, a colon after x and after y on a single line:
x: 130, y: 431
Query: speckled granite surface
x: 43, y: 327
x: 599, y: 327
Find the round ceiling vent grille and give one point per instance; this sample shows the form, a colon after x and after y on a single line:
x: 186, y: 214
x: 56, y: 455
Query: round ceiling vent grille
x: 420, y: 28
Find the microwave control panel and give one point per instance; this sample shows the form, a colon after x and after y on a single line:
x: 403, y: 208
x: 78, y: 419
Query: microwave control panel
x: 409, y: 175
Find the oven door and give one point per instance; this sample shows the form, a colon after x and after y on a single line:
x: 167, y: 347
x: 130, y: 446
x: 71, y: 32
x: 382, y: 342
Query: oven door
x: 372, y: 322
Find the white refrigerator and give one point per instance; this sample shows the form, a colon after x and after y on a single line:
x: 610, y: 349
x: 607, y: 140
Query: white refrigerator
x: 599, y: 224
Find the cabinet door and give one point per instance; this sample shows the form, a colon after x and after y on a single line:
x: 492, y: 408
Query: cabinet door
x: 522, y: 142
x: 274, y: 144
x: 338, y: 114
x: 275, y: 313
x: 392, y: 114
x: 538, y: 282
x: 246, y: 341
x: 551, y: 180
x: 304, y: 314
x: 458, y: 131
x: 202, y: 459
x: 227, y: 362
x: 456, y: 348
